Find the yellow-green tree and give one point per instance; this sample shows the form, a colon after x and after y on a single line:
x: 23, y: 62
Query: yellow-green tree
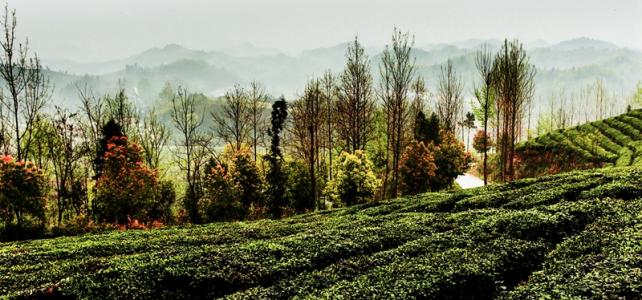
x: 354, y: 181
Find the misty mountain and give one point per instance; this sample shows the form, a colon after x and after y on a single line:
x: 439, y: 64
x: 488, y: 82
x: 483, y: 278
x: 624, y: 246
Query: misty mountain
x: 568, y: 65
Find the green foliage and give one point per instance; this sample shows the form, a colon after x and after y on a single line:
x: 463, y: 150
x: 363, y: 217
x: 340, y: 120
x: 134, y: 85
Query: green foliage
x: 427, y: 129
x: 637, y: 96
x: 479, y: 105
x: 451, y: 159
x: 275, y: 177
x: 299, y: 186
x: 417, y: 168
x: 556, y: 243
x: 221, y: 199
x: 354, y: 181
x: 233, y: 188
x: 164, y: 199
x: 606, y: 142
x: 22, y: 195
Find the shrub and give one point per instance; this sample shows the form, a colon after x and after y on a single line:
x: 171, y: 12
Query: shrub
x: 22, y: 193
x: 299, y: 186
x: 126, y: 187
x: 221, y: 196
x: 165, y: 198
x: 233, y: 187
x: 354, y: 181
x: 451, y: 159
x: 417, y: 168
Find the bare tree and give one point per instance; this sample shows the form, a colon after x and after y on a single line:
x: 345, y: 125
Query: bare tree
x: 94, y: 113
x: 514, y: 85
x: 329, y: 100
x: 28, y: 88
x: 188, y: 119
x: 355, y: 102
x: 600, y: 98
x: 449, y: 96
x: 63, y: 149
x: 306, y: 123
x: 397, y: 70
x: 152, y: 137
x: 121, y: 110
x: 484, y: 62
x: 5, y: 130
x: 233, y: 121
x: 258, y: 119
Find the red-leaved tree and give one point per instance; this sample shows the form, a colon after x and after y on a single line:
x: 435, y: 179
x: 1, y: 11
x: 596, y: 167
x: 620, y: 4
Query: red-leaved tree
x: 126, y: 187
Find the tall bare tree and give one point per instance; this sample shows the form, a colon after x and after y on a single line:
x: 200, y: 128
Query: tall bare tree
x: 234, y: 119
x: 258, y: 119
x: 514, y: 86
x: 27, y: 86
x: 328, y: 89
x: 306, y: 124
x: 355, y: 102
x: 397, y: 70
x: 449, y: 96
x: 64, y: 152
x: 187, y: 116
x: 484, y: 62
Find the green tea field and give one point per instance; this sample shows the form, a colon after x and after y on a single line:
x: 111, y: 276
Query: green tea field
x: 614, y: 141
x: 575, y: 235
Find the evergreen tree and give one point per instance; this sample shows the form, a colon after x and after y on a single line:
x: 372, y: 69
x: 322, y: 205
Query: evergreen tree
x: 427, y: 129
x: 109, y: 131
x: 276, y: 178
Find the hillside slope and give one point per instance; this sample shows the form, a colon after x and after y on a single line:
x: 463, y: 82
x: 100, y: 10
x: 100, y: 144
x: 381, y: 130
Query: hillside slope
x: 576, y: 234
x: 613, y: 141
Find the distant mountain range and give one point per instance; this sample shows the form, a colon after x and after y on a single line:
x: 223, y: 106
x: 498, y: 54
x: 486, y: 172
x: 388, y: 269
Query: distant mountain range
x: 568, y: 65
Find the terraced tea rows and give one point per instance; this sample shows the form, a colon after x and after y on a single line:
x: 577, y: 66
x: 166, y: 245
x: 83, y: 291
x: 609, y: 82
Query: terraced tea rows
x: 534, y: 238
x: 614, y: 141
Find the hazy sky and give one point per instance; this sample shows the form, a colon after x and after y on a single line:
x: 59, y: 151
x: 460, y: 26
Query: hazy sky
x: 85, y: 30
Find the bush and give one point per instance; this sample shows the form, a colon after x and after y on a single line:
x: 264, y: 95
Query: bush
x: 126, y: 187
x: 233, y: 188
x: 299, y: 186
x: 354, y: 181
x: 162, y: 207
x: 221, y: 199
x: 22, y: 196
x: 451, y: 159
x: 417, y: 168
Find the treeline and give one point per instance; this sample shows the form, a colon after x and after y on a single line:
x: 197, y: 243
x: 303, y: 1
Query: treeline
x: 345, y: 140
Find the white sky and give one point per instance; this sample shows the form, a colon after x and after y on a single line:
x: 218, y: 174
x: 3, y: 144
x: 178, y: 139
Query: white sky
x: 84, y: 30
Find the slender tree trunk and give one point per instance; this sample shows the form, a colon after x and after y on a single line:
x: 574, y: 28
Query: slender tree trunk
x: 486, y: 138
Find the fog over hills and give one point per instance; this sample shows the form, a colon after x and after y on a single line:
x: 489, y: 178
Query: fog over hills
x: 569, y: 65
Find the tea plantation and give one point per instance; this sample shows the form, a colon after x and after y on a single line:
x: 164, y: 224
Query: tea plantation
x: 573, y: 235
x: 614, y: 141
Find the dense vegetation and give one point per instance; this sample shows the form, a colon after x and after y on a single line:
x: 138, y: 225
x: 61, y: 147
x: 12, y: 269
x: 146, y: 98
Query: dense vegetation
x: 570, y: 235
x: 613, y: 141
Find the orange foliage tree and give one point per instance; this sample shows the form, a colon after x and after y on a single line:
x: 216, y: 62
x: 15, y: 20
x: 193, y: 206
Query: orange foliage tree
x: 417, y: 168
x: 126, y: 187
